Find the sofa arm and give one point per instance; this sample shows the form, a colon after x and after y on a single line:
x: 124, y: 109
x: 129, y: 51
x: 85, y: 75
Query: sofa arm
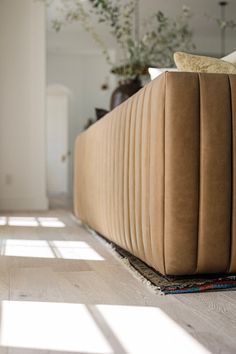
x: 155, y: 174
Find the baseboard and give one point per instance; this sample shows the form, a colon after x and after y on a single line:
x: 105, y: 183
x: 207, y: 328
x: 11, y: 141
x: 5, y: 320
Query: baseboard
x: 23, y: 204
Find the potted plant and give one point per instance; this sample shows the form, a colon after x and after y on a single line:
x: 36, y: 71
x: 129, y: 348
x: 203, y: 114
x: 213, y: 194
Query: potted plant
x: 151, y: 44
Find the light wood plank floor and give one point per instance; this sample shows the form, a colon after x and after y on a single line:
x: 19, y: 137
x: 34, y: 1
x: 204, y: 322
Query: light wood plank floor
x: 63, y: 291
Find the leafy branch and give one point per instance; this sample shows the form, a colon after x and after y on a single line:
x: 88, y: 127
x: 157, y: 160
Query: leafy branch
x: 162, y: 35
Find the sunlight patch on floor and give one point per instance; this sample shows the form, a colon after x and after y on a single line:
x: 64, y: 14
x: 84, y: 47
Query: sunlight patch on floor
x: 3, y: 220
x: 77, y: 250
x: 26, y: 248
x: 50, y: 222
x: 22, y: 221
x: 25, y: 221
x: 93, y: 329
x: 148, y: 330
x: 51, y: 326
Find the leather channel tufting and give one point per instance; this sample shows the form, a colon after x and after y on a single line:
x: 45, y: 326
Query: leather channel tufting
x: 157, y: 174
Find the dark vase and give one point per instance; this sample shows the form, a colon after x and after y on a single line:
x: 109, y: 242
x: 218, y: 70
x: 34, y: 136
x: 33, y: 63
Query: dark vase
x: 124, y: 91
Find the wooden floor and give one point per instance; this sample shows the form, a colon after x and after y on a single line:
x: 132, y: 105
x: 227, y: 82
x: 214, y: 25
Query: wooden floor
x: 63, y: 291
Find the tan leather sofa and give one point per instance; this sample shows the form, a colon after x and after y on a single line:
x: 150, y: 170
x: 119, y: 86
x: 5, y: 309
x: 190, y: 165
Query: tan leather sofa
x: 157, y: 174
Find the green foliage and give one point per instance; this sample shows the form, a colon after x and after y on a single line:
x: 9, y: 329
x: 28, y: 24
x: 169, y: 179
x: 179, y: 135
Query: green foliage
x: 223, y: 24
x: 164, y: 37
x: 160, y: 35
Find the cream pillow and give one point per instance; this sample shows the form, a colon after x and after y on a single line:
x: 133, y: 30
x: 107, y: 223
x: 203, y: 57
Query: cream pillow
x: 231, y: 58
x: 197, y: 63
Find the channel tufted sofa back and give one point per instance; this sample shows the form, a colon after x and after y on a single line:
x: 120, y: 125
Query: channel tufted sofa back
x: 157, y: 175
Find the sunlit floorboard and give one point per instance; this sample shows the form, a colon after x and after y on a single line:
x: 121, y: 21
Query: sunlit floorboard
x: 62, y: 291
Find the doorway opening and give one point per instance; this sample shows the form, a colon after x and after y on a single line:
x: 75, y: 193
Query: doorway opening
x: 58, y: 153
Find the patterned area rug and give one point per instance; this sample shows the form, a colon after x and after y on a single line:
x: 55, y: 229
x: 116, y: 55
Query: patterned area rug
x: 166, y: 285
x: 179, y: 285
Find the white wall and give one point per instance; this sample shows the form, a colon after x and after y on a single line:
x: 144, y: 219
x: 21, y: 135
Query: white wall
x: 82, y: 73
x: 22, y: 105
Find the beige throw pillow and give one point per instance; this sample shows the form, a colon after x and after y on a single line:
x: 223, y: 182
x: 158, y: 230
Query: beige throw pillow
x: 197, y: 63
x: 230, y: 58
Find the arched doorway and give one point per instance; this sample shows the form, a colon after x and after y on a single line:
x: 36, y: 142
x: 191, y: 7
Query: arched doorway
x: 57, y: 145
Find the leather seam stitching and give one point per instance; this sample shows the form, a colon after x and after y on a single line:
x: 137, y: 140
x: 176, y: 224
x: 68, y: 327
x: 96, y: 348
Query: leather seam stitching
x: 199, y: 174
x: 231, y: 174
x: 164, y: 171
